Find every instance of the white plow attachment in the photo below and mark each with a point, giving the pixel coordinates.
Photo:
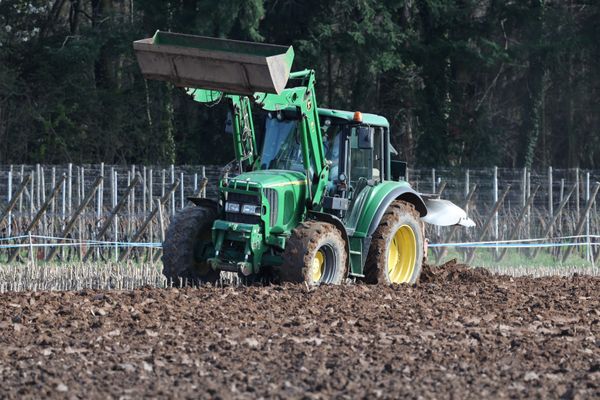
(445, 213)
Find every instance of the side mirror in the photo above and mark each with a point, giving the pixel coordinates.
(365, 137)
(398, 170)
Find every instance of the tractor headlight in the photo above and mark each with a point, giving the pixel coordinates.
(232, 207)
(250, 209)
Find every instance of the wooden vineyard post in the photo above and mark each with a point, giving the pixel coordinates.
(172, 202)
(53, 205)
(113, 185)
(556, 216)
(21, 198)
(550, 193)
(488, 223)
(204, 183)
(588, 253)
(562, 194)
(515, 229)
(453, 230)
(78, 182)
(100, 193)
(161, 220)
(161, 226)
(582, 219)
(102, 231)
(31, 197)
(136, 237)
(577, 191)
(16, 197)
(38, 215)
(73, 220)
(441, 189)
(150, 197)
(527, 194)
(70, 189)
(128, 197)
(9, 197)
(181, 191)
(467, 183)
(495, 193)
(144, 190)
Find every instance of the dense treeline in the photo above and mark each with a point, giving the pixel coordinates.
(464, 82)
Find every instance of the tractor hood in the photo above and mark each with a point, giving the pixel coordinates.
(268, 179)
(280, 192)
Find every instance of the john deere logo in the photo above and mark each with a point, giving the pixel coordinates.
(308, 104)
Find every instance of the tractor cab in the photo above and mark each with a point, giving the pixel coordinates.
(357, 147)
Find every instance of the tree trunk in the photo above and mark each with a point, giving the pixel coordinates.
(532, 122)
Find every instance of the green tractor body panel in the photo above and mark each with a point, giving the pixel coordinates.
(377, 198)
(260, 209)
(264, 202)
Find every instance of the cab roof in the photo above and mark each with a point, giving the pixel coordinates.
(369, 119)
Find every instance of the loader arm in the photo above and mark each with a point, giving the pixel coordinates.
(244, 136)
(303, 98)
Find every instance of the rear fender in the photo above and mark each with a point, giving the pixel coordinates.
(380, 198)
(402, 193)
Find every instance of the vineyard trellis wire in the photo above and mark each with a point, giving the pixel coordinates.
(128, 207)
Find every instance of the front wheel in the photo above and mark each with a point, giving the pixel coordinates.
(187, 246)
(396, 251)
(315, 253)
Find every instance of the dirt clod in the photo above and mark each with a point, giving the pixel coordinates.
(451, 271)
(460, 333)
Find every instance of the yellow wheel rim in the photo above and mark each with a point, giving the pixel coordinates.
(402, 255)
(318, 266)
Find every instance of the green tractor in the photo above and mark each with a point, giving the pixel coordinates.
(319, 201)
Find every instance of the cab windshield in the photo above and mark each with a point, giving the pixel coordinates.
(281, 148)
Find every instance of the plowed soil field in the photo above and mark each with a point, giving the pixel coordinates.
(459, 333)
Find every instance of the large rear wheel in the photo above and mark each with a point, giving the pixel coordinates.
(315, 253)
(396, 251)
(187, 246)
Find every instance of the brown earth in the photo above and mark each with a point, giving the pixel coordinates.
(460, 333)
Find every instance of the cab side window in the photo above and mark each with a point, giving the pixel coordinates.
(367, 163)
(361, 160)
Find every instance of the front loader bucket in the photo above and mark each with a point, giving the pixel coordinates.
(208, 63)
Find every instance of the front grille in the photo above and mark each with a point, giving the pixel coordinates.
(239, 217)
(242, 218)
(243, 198)
(240, 198)
(272, 199)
